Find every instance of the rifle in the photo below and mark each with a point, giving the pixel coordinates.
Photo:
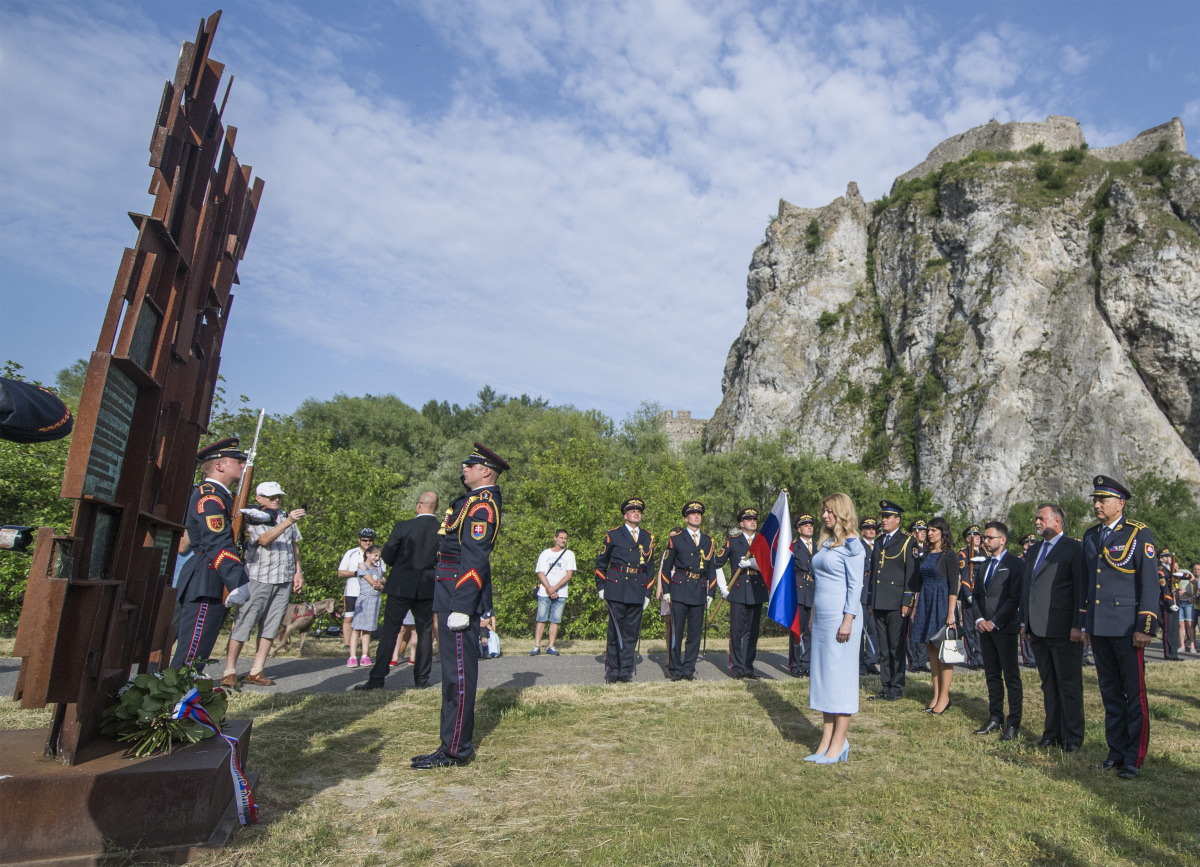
(237, 520)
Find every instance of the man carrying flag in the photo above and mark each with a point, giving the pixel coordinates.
(772, 550)
(747, 592)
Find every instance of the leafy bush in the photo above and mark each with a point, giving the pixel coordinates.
(1044, 170)
(1073, 155)
(826, 320)
(1036, 150)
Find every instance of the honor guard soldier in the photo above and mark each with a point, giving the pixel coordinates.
(893, 581)
(802, 554)
(1169, 605)
(868, 655)
(1120, 620)
(689, 573)
(462, 593)
(216, 563)
(624, 578)
(746, 593)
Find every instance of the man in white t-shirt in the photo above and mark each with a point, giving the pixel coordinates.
(348, 569)
(555, 566)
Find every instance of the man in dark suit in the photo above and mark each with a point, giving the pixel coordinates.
(1120, 621)
(216, 564)
(893, 580)
(746, 594)
(689, 576)
(996, 610)
(802, 554)
(624, 576)
(411, 555)
(1052, 602)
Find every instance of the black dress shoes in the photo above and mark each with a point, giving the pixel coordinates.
(1050, 742)
(1071, 748)
(438, 752)
(879, 696)
(1128, 772)
(989, 727)
(423, 684)
(363, 687)
(1106, 765)
(440, 760)
(1010, 734)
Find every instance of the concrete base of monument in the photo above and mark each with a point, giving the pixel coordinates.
(110, 809)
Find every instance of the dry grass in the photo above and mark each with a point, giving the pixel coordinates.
(709, 773)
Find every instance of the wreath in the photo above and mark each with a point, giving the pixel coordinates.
(141, 714)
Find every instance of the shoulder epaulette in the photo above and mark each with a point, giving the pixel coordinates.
(206, 488)
(1138, 524)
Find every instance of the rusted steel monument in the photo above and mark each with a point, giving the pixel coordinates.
(99, 601)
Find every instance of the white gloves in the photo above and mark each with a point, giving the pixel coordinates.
(600, 593)
(456, 622)
(667, 598)
(239, 596)
(744, 563)
(721, 583)
(707, 602)
(256, 516)
(646, 603)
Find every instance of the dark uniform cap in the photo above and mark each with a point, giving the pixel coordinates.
(692, 506)
(804, 519)
(887, 507)
(919, 524)
(747, 513)
(1109, 487)
(633, 504)
(487, 457)
(226, 448)
(1028, 539)
(972, 530)
(868, 524)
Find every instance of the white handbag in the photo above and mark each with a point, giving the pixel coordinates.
(951, 649)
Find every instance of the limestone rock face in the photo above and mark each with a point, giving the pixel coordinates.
(1000, 333)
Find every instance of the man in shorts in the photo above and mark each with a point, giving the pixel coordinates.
(273, 566)
(348, 569)
(555, 566)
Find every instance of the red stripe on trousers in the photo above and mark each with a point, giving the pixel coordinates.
(1144, 734)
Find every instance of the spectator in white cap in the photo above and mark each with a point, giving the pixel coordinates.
(273, 566)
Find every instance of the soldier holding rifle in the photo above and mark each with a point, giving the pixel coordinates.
(689, 572)
(746, 593)
(624, 576)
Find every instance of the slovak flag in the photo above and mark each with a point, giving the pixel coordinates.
(772, 550)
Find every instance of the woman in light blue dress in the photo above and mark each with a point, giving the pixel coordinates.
(836, 626)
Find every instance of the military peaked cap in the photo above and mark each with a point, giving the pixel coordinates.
(887, 507)
(1106, 486)
(747, 513)
(972, 530)
(868, 524)
(633, 504)
(226, 448)
(487, 457)
(1028, 539)
(918, 524)
(692, 506)
(804, 519)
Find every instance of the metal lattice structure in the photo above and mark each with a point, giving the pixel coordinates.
(99, 601)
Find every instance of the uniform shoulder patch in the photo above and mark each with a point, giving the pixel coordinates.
(206, 488)
(1149, 551)
(216, 523)
(209, 498)
(478, 530)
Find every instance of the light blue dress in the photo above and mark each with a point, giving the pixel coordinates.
(833, 670)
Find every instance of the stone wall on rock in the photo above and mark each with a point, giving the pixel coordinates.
(680, 427)
(1001, 335)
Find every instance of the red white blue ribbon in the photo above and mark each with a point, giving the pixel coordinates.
(189, 706)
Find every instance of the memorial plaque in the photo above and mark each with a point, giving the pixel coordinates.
(111, 436)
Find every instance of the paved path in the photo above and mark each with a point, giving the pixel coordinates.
(511, 670)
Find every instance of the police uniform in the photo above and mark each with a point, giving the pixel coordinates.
(215, 565)
(1169, 606)
(868, 655)
(624, 577)
(918, 651)
(689, 574)
(746, 594)
(1122, 597)
(463, 592)
(893, 579)
(802, 554)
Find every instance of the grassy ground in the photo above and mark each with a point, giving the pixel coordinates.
(711, 774)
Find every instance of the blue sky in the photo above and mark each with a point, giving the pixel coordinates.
(553, 199)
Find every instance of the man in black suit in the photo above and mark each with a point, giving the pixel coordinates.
(893, 580)
(411, 555)
(996, 610)
(689, 574)
(1052, 602)
(802, 554)
(1120, 621)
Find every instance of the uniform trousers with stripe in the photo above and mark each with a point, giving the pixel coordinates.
(1121, 671)
(624, 627)
(1170, 632)
(892, 629)
(744, 624)
(200, 623)
(459, 654)
(685, 652)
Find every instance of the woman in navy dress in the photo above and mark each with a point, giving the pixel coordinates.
(934, 608)
(836, 626)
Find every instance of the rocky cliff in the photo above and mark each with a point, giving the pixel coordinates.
(1018, 314)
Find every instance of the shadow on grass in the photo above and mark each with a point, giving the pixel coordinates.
(789, 720)
(1193, 700)
(497, 700)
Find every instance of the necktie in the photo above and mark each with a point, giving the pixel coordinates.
(1104, 534)
(987, 579)
(633, 533)
(1041, 556)
(696, 539)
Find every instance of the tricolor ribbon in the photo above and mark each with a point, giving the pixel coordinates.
(189, 706)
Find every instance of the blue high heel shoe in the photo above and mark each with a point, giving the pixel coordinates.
(814, 757)
(843, 756)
